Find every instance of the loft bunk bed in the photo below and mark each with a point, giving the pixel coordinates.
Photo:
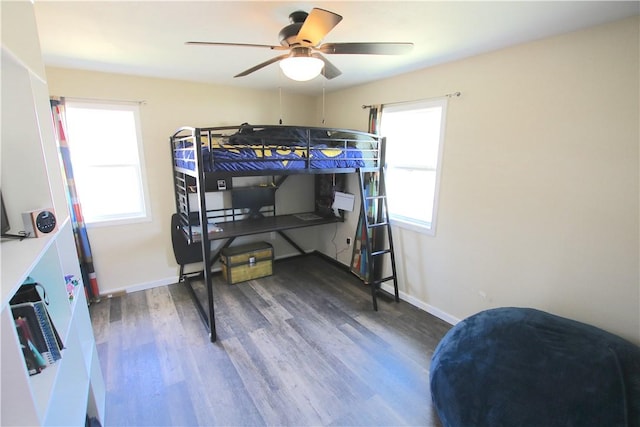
(208, 159)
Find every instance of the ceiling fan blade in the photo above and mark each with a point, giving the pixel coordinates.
(329, 70)
(366, 48)
(262, 65)
(236, 45)
(317, 25)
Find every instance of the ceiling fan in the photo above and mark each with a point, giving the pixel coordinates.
(302, 38)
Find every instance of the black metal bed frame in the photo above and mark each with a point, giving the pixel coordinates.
(245, 221)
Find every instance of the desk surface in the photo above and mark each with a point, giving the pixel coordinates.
(248, 227)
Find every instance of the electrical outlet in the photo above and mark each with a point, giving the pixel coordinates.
(348, 241)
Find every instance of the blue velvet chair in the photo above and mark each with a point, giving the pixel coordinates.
(524, 367)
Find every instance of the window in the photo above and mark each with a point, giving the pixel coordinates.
(415, 133)
(106, 154)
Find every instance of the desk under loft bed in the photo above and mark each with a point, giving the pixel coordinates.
(208, 159)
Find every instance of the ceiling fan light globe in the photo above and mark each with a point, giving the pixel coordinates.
(301, 69)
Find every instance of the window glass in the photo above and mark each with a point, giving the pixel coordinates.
(414, 133)
(105, 145)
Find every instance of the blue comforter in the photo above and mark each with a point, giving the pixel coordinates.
(269, 157)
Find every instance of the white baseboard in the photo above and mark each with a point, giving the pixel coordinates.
(141, 286)
(452, 320)
(147, 285)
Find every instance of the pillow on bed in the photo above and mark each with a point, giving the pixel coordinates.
(275, 136)
(358, 140)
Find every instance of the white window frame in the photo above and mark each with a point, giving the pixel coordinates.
(144, 215)
(413, 223)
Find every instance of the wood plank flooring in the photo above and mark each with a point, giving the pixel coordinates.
(302, 347)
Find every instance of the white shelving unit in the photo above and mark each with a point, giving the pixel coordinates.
(65, 392)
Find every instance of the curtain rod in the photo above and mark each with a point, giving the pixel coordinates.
(78, 98)
(448, 95)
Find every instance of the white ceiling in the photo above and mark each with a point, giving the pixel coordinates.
(147, 37)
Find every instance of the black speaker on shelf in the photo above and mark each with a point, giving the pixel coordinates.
(40, 222)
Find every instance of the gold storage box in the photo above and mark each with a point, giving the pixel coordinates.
(246, 262)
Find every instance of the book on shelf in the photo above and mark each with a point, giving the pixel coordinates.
(33, 358)
(41, 344)
(41, 328)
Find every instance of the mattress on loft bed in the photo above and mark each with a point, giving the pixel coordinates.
(286, 148)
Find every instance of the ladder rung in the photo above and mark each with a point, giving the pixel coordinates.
(382, 252)
(375, 197)
(385, 294)
(386, 279)
(379, 224)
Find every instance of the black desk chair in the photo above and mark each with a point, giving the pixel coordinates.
(184, 252)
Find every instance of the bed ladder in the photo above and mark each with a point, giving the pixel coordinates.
(374, 242)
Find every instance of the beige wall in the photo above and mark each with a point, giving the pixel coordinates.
(540, 188)
(539, 196)
(136, 256)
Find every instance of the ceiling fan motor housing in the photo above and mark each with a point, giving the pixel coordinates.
(288, 34)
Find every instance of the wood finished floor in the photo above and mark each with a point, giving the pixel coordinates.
(302, 347)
